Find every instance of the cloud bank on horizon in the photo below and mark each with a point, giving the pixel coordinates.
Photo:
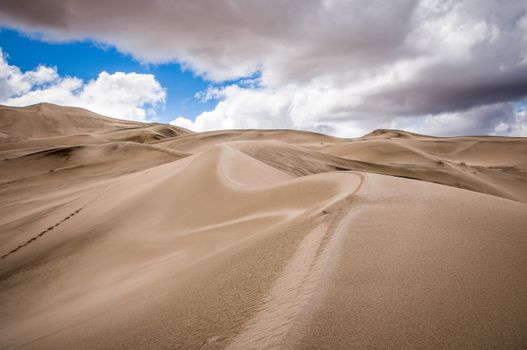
(340, 67)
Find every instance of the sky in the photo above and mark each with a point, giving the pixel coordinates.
(341, 67)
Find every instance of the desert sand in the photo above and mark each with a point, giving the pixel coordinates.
(123, 235)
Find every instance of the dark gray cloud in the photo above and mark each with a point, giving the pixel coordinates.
(481, 120)
(347, 65)
(227, 39)
(447, 88)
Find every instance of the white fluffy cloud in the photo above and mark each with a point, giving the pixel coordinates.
(13, 82)
(122, 95)
(312, 107)
(339, 66)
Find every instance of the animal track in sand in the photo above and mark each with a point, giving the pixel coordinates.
(57, 224)
(41, 234)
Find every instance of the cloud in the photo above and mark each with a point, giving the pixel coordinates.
(333, 65)
(13, 82)
(313, 107)
(338, 112)
(228, 39)
(123, 95)
(496, 119)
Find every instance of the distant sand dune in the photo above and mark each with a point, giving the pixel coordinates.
(118, 234)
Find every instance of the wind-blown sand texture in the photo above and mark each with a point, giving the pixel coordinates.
(117, 234)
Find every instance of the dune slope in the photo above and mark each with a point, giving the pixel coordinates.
(119, 234)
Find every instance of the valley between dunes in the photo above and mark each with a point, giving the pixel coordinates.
(122, 235)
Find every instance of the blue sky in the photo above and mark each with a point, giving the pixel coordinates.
(86, 59)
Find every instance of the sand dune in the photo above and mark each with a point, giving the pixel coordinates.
(118, 234)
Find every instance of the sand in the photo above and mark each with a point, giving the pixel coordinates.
(117, 234)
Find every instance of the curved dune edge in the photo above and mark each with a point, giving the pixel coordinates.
(143, 240)
(124, 235)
